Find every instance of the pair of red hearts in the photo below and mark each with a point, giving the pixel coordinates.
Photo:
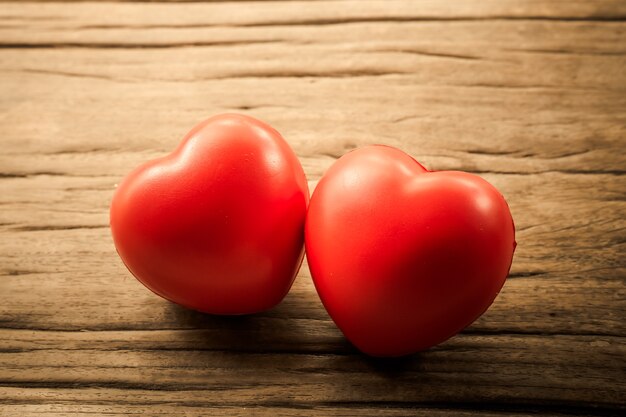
(403, 258)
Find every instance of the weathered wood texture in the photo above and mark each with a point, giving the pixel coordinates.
(529, 94)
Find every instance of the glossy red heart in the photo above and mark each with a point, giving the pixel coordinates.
(218, 225)
(404, 258)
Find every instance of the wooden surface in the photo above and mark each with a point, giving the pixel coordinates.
(531, 95)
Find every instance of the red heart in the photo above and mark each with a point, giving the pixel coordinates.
(401, 257)
(216, 226)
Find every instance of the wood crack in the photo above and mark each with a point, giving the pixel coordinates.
(104, 45)
(566, 52)
(468, 331)
(252, 75)
(306, 74)
(17, 272)
(38, 228)
(26, 175)
(68, 74)
(266, 407)
(489, 152)
(521, 154)
(13, 175)
(534, 86)
(504, 406)
(525, 274)
(614, 172)
(81, 151)
(427, 53)
(359, 20)
(428, 19)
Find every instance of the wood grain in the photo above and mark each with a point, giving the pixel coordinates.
(528, 94)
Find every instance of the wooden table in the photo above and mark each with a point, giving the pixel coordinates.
(531, 95)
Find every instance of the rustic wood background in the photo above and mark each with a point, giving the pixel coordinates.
(531, 95)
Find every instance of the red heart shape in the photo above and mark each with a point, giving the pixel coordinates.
(218, 225)
(404, 258)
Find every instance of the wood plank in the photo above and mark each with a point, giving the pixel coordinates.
(189, 406)
(553, 106)
(445, 127)
(318, 12)
(539, 370)
(572, 268)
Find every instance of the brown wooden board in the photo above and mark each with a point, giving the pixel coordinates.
(531, 95)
